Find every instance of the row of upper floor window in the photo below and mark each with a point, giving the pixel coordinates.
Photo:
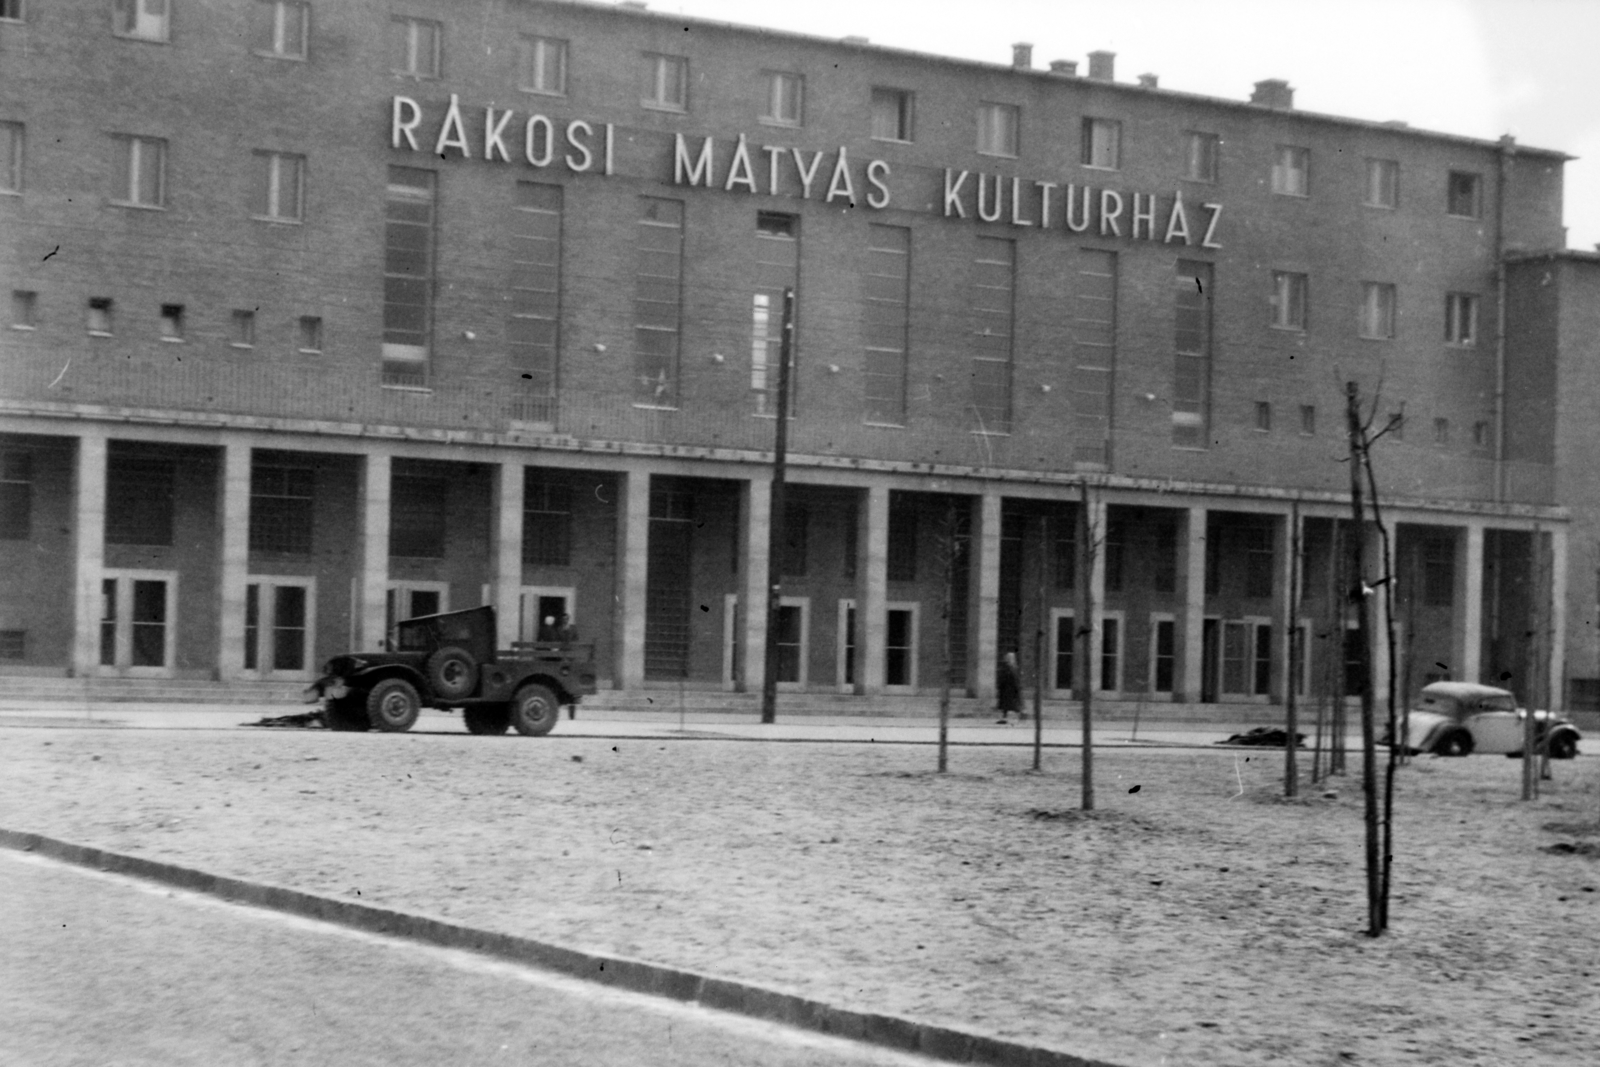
(1395, 425)
(282, 30)
(172, 322)
(1377, 314)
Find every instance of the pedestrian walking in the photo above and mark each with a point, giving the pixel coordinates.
(1009, 689)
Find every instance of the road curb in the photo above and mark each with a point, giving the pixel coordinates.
(890, 1031)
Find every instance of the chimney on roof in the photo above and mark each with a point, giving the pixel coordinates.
(1067, 68)
(1148, 81)
(1022, 56)
(1273, 92)
(1102, 65)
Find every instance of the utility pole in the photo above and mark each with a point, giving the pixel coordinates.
(776, 539)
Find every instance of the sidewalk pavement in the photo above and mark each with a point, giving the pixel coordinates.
(688, 724)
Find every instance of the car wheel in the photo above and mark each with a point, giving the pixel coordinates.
(393, 705)
(1454, 743)
(487, 718)
(534, 710)
(347, 715)
(453, 673)
(1562, 746)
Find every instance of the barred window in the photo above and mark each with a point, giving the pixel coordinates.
(281, 502)
(547, 524)
(139, 500)
(16, 496)
(417, 515)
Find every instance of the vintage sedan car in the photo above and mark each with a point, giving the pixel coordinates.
(1460, 718)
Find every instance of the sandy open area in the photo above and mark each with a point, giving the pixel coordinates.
(1198, 920)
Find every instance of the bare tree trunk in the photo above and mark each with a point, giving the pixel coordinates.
(949, 545)
(1088, 549)
(1388, 583)
(1369, 785)
(1291, 772)
(1039, 646)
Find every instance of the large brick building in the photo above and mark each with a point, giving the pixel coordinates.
(324, 314)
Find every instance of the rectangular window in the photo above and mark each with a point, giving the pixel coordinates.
(1110, 655)
(666, 82)
(777, 267)
(139, 500)
(1066, 638)
(1102, 143)
(24, 309)
(1461, 319)
(279, 186)
(1464, 195)
(1200, 158)
(899, 647)
(144, 19)
(1236, 657)
(533, 330)
(244, 328)
(1441, 431)
(11, 10)
(886, 323)
(1094, 349)
(417, 509)
(1383, 183)
(544, 66)
(141, 171)
(657, 301)
(415, 47)
(902, 542)
(893, 112)
(1308, 419)
(172, 322)
(1191, 376)
(309, 335)
(1263, 416)
(282, 28)
(282, 500)
(546, 523)
(785, 104)
(1261, 661)
(1481, 437)
(1377, 311)
(100, 316)
(997, 129)
(10, 157)
(407, 275)
(1291, 171)
(1163, 655)
(16, 496)
(993, 317)
(1289, 300)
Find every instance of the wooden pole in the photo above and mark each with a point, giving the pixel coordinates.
(776, 539)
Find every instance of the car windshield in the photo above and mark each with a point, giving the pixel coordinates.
(1500, 703)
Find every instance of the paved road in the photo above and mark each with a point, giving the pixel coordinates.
(100, 969)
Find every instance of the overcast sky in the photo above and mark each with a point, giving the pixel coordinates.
(1530, 68)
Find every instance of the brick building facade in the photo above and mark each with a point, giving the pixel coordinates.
(328, 314)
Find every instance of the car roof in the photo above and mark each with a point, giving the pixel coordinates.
(1463, 690)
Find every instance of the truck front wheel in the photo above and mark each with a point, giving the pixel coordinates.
(393, 705)
(534, 710)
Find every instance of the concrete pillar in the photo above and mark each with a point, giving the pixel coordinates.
(872, 587)
(89, 526)
(1558, 618)
(633, 574)
(984, 598)
(234, 499)
(1468, 665)
(1194, 606)
(505, 552)
(754, 553)
(375, 478)
(1095, 517)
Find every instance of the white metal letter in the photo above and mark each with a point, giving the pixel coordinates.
(1044, 202)
(493, 132)
(1177, 222)
(452, 121)
(840, 184)
(877, 171)
(739, 172)
(1108, 217)
(575, 129)
(774, 153)
(1147, 216)
(611, 144)
(952, 195)
(530, 138)
(407, 116)
(699, 171)
(1081, 204)
(983, 184)
(807, 174)
(1016, 201)
(1211, 227)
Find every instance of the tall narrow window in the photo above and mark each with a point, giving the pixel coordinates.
(1094, 348)
(1377, 311)
(785, 104)
(1191, 375)
(777, 267)
(144, 19)
(10, 157)
(657, 302)
(666, 82)
(993, 318)
(1289, 300)
(544, 66)
(279, 186)
(892, 114)
(1200, 157)
(16, 495)
(1461, 319)
(408, 276)
(1291, 171)
(997, 129)
(1110, 654)
(282, 27)
(1464, 195)
(282, 498)
(1163, 655)
(141, 171)
(1383, 183)
(546, 523)
(414, 46)
(533, 330)
(886, 322)
(1102, 143)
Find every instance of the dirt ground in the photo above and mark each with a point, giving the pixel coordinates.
(1194, 918)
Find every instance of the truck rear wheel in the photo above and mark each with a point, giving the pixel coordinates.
(487, 718)
(346, 714)
(534, 710)
(393, 705)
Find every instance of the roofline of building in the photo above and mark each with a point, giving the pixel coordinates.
(864, 45)
(1577, 255)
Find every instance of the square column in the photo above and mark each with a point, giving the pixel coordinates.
(89, 526)
(872, 587)
(1558, 618)
(633, 574)
(374, 582)
(234, 494)
(1468, 653)
(754, 554)
(984, 599)
(505, 552)
(1194, 606)
(1093, 523)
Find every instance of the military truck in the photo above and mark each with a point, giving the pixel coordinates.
(449, 661)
